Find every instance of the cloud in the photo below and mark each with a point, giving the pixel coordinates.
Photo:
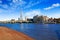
(55, 15)
(0, 1)
(20, 2)
(3, 5)
(11, 4)
(53, 6)
(25, 4)
(1, 10)
(32, 3)
(32, 13)
(15, 4)
(15, 1)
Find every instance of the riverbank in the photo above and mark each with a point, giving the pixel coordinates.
(8, 34)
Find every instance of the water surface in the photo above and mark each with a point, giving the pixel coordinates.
(37, 31)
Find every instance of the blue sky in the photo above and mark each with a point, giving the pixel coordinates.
(10, 9)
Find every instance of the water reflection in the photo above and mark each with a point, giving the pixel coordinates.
(24, 27)
(21, 26)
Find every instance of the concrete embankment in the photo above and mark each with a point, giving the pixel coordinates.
(8, 34)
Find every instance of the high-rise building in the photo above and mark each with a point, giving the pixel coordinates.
(21, 18)
(26, 18)
(21, 15)
(18, 19)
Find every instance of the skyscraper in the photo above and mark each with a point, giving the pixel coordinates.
(21, 18)
(26, 18)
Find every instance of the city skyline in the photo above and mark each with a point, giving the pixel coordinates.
(10, 9)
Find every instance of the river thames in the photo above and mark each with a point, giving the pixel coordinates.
(37, 31)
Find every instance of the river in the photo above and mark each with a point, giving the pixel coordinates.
(37, 31)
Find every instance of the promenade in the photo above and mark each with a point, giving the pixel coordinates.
(8, 34)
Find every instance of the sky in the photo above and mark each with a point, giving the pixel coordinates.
(10, 9)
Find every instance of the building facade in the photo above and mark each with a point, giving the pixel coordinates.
(40, 19)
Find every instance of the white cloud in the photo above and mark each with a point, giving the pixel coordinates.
(15, 1)
(0, 1)
(19, 2)
(55, 15)
(5, 6)
(1, 10)
(32, 13)
(53, 6)
(31, 3)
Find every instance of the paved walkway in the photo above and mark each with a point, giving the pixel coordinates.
(7, 34)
